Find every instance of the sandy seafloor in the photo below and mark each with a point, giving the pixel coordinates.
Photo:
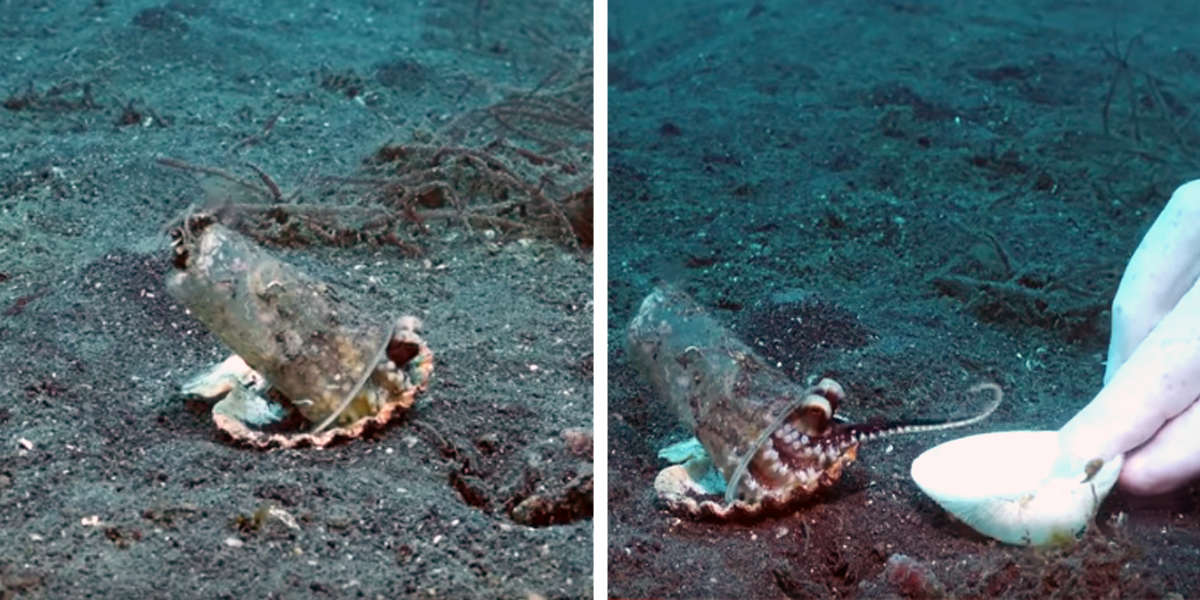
(910, 197)
(111, 486)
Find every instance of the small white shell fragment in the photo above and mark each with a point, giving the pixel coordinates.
(221, 378)
(692, 472)
(284, 517)
(246, 406)
(684, 451)
(1012, 486)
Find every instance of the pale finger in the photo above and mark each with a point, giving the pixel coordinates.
(1160, 380)
(1170, 459)
(1164, 266)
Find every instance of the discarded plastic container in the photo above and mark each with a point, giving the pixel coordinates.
(736, 404)
(336, 363)
(773, 441)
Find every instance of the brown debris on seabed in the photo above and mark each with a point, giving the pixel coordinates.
(498, 188)
(1097, 566)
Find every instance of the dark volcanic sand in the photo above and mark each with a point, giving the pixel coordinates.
(110, 485)
(910, 197)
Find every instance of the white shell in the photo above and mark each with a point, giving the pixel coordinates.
(1014, 486)
(692, 472)
(221, 378)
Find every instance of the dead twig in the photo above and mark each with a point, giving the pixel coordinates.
(261, 136)
(1126, 76)
(1121, 74)
(175, 163)
(267, 181)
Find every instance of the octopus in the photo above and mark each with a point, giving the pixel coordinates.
(762, 443)
(308, 366)
(252, 411)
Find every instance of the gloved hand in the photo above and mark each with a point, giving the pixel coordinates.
(1148, 407)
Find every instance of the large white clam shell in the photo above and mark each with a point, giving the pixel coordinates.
(1014, 486)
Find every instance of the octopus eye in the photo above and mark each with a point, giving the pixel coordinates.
(181, 258)
(815, 413)
(401, 352)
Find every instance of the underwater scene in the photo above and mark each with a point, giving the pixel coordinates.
(296, 299)
(876, 323)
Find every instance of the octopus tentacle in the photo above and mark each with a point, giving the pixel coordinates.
(861, 432)
(806, 415)
(801, 447)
